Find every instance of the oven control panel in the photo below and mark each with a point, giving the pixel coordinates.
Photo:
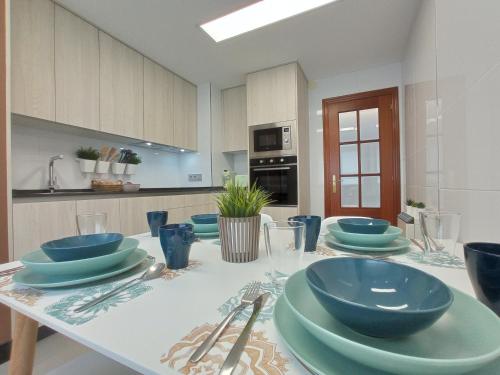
(273, 161)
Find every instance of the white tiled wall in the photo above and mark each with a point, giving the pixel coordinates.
(456, 43)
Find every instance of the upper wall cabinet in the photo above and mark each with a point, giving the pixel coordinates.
(32, 48)
(234, 119)
(272, 95)
(158, 103)
(76, 70)
(185, 118)
(121, 88)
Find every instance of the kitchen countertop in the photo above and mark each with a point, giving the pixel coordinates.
(71, 194)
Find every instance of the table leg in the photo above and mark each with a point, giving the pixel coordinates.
(22, 353)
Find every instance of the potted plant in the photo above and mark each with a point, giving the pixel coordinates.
(239, 221)
(132, 162)
(414, 208)
(87, 157)
(409, 206)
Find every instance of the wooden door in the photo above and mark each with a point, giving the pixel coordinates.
(361, 153)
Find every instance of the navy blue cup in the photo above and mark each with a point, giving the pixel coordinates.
(313, 227)
(483, 266)
(155, 220)
(176, 241)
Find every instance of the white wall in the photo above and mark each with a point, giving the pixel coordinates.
(365, 80)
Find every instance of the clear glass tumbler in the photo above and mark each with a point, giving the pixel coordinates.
(92, 223)
(440, 231)
(285, 248)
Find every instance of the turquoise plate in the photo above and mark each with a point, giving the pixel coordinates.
(396, 245)
(465, 338)
(361, 239)
(40, 263)
(207, 235)
(319, 358)
(203, 228)
(35, 280)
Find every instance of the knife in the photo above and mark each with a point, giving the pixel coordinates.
(234, 355)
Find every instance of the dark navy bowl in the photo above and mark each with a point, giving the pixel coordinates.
(361, 225)
(205, 218)
(82, 247)
(378, 298)
(483, 266)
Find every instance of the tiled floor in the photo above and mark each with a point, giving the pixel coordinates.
(57, 355)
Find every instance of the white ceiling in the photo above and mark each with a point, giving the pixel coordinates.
(344, 36)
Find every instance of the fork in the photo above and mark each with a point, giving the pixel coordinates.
(251, 293)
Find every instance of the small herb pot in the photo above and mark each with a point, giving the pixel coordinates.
(131, 169)
(239, 238)
(118, 168)
(87, 166)
(102, 166)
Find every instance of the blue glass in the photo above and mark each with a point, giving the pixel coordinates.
(155, 220)
(176, 241)
(483, 266)
(313, 227)
(378, 298)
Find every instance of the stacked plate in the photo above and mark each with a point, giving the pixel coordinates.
(78, 260)
(205, 225)
(464, 339)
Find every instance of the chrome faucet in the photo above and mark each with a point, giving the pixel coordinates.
(53, 178)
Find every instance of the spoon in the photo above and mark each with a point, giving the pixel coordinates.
(151, 273)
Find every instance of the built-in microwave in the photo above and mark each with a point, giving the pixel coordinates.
(271, 140)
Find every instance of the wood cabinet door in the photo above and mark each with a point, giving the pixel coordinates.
(121, 88)
(185, 114)
(39, 222)
(76, 70)
(158, 103)
(234, 118)
(111, 207)
(32, 50)
(272, 95)
(133, 213)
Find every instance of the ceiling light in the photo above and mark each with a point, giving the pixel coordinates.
(257, 15)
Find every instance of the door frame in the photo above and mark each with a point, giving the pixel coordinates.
(396, 172)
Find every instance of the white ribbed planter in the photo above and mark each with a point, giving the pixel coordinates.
(131, 168)
(102, 166)
(87, 166)
(239, 238)
(118, 168)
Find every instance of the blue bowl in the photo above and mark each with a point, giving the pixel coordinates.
(82, 247)
(378, 298)
(483, 266)
(365, 226)
(205, 218)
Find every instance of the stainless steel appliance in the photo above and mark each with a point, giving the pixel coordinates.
(278, 176)
(273, 140)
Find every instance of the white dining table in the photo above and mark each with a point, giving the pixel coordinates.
(154, 327)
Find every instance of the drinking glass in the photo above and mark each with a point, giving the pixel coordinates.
(176, 241)
(91, 223)
(285, 248)
(440, 232)
(155, 220)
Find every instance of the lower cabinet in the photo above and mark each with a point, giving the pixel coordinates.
(280, 213)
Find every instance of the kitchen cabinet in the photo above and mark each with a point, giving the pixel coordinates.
(121, 88)
(234, 119)
(32, 58)
(111, 207)
(39, 222)
(280, 213)
(272, 95)
(133, 213)
(185, 114)
(158, 103)
(76, 70)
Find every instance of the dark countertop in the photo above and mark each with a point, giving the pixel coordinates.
(64, 194)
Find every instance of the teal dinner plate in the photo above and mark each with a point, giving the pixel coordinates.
(40, 263)
(363, 239)
(465, 338)
(36, 280)
(203, 228)
(319, 358)
(207, 235)
(396, 245)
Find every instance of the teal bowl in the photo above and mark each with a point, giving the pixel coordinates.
(39, 262)
(362, 225)
(82, 247)
(361, 239)
(204, 228)
(205, 218)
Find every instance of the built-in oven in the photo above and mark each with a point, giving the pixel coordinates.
(272, 140)
(278, 176)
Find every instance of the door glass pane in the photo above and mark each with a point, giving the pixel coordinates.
(370, 191)
(349, 192)
(349, 159)
(348, 126)
(370, 158)
(368, 124)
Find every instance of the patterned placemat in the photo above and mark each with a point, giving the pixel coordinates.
(28, 296)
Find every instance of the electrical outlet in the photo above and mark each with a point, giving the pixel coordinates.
(194, 177)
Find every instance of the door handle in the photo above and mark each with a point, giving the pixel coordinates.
(334, 184)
